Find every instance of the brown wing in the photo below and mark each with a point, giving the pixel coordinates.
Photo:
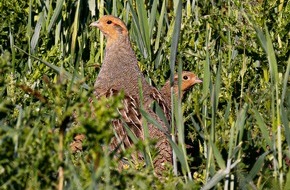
(157, 96)
(131, 116)
(162, 137)
(162, 145)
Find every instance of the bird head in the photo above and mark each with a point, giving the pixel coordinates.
(112, 27)
(188, 80)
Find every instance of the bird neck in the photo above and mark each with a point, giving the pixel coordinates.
(119, 54)
(166, 92)
(116, 42)
(120, 69)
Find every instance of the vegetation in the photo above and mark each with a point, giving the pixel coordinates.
(236, 123)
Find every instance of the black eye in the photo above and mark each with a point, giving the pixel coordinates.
(185, 77)
(109, 22)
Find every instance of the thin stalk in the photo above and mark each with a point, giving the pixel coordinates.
(173, 132)
(101, 13)
(206, 87)
(12, 50)
(61, 158)
(147, 152)
(107, 176)
(29, 26)
(180, 123)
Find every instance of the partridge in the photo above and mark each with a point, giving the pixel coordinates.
(189, 79)
(120, 73)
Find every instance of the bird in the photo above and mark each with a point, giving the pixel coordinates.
(188, 79)
(120, 73)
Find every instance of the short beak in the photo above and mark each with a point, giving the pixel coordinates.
(197, 80)
(95, 24)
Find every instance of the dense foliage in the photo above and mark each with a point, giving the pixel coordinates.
(236, 122)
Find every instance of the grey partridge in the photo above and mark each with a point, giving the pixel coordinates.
(120, 72)
(189, 79)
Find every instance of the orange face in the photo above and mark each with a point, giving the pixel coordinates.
(188, 80)
(112, 27)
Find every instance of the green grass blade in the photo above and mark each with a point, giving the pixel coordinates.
(263, 127)
(219, 159)
(152, 19)
(207, 75)
(271, 58)
(285, 81)
(159, 28)
(35, 37)
(11, 40)
(144, 26)
(179, 153)
(57, 69)
(137, 30)
(175, 38)
(220, 174)
(241, 119)
(287, 183)
(152, 120)
(256, 168)
(180, 123)
(75, 30)
(56, 14)
(130, 133)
